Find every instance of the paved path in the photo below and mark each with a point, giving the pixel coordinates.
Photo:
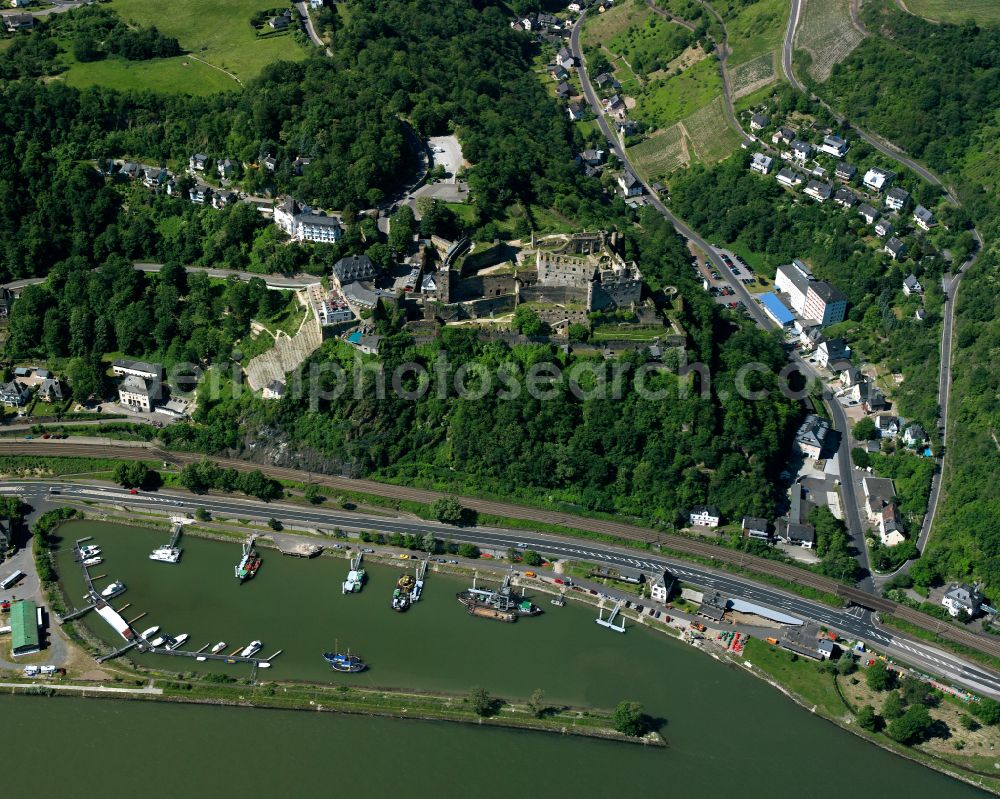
(100, 689)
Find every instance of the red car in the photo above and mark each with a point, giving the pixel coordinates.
(133, 490)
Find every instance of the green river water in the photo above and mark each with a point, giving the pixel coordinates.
(729, 733)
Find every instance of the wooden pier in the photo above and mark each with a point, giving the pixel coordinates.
(118, 652)
(231, 658)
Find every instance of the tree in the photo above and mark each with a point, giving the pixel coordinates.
(527, 322)
(893, 707)
(313, 495)
(536, 704)
(869, 720)
(846, 664)
(968, 722)
(860, 458)
(482, 703)
(879, 677)
(630, 720)
(986, 710)
(470, 551)
(531, 558)
(428, 543)
(202, 515)
(865, 430)
(401, 229)
(275, 525)
(912, 727)
(84, 378)
(132, 474)
(448, 510)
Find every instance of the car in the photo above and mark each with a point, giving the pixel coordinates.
(530, 574)
(559, 581)
(47, 435)
(453, 562)
(336, 546)
(368, 551)
(522, 544)
(440, 560)
(404, 556)
(29, 438)
(133, 490)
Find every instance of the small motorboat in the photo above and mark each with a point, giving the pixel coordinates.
(95, 561)
(149, 633)
(115, 589)
(201, 658)
(264, 665)
(251, 649)
(90, 551)
(218, 647)
(160, 640)
(179, 640)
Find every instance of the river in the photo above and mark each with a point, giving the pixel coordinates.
(728, 731)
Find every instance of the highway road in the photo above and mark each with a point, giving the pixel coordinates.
(853, 622)
(840, 421)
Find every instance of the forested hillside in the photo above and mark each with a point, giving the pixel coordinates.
(935, 90)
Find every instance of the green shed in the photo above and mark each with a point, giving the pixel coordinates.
(24, 628)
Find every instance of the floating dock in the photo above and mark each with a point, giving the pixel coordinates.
(609, 622)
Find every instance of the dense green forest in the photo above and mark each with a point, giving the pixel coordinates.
(935, 90)
(647, 457)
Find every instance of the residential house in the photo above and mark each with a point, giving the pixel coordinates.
(592, 157)
(139, 393)
(845, 172)
(890, 526)
(613, 103)
(199, 193)
(783, 135)
(6, 301)
(962, 597)
(877, 179)
(813, 436)
(845, 197)
(713, 607)
(130, 170)
(221, 199)
(884, 228)
(887, 426)
(759, 122)
(756, 528)
(198, 162)
(626, 127)
(802, 151)
(369, 345)
(274, 390)
(850, 376)
(789, 177)
(630, 185)
(920, 314)
(18, 22)
(557, 73)
(227, 169)
(875, 401)
(895, 248)
(795, 533)
(897, 198)
(14, 395)
(866, 212)
(819, 191)
(299, 164)
(281, 22)
(606, 81)
(564, 58)
(154, 178)
(302, 223)
(315, 5)
(549, 21)
(50, 390)
(352, 268)
(270, 162)
(914, 436)
(879, 492)
(834, 145)
(575, 112)
(911, 285)
(923, 218)
(832, 351)
(661, 589)
(563, 90)
(810, 336)
(761, 163)
(704, 516)
(826, 649)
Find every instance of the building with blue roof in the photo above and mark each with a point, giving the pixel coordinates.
(776, 309)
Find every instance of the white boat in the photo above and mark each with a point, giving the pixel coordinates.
(218, 647)
(166, 554)
(251, 649)
(90, 551)
(201, 658)
(113, 590)
(158, 641)
(264, 664)
(95, 561)
(180, 640)
(147, 634)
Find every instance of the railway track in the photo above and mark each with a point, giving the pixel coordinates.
(628, 532)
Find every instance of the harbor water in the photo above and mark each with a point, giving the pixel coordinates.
(728, 732)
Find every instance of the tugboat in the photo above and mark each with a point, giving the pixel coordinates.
(346, 664)
(401, 595)
(249, 563)
(501, 604)
(115, 589)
